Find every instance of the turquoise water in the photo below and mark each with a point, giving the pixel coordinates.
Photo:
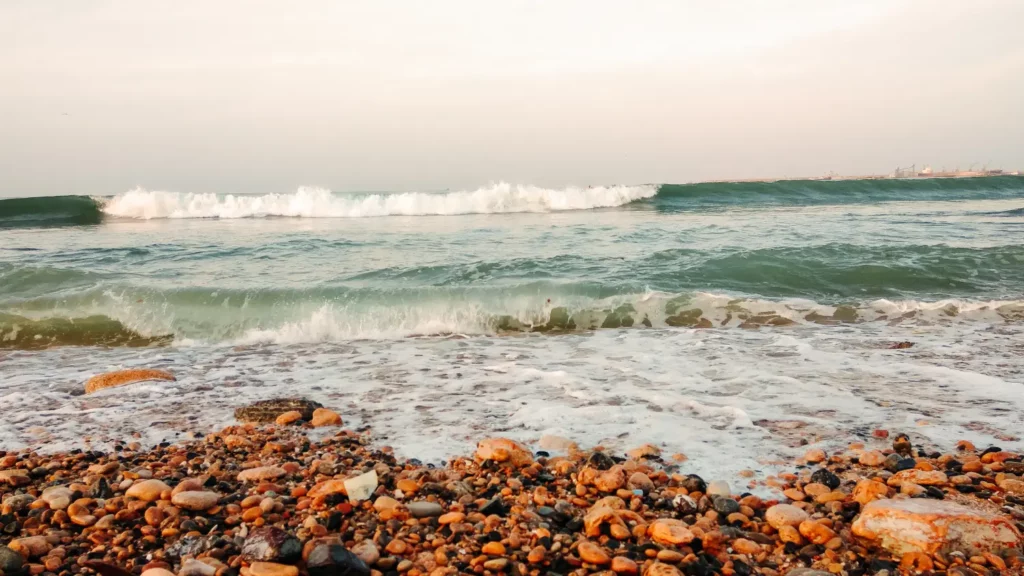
(157, 267)
(613, 314)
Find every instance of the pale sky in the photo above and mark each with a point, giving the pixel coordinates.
(258, 96)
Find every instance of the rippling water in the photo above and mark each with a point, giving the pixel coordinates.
(696, 316)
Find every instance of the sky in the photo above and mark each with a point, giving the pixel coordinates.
(99, 97)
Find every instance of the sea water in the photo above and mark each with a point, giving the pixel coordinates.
(738, 324)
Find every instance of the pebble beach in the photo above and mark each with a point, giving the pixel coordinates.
(290, 490)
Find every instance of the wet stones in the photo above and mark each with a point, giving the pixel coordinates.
(266, 411)
(271, 544)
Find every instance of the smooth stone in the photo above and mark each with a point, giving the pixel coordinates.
(147, 490)
(272, 569)
(10, 561)
(328, 559)
(424, 509)
(271, 544)
(261, 473)
(195, 500)
(196, 568)
(934, 526)
(785, 515)
(826, 477)
(725, 506)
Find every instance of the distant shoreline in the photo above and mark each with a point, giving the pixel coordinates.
(917, 176)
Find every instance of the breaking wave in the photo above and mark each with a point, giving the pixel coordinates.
(501, 198)
(129, 321)
(321, 203)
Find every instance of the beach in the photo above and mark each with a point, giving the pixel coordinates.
(303, 494)
(516, 343)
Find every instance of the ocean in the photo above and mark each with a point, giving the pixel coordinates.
(735, 323)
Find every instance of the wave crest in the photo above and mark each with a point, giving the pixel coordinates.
(309, 202)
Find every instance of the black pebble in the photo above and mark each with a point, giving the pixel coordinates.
(600, 460)
(906, 464)
(694, 483)
(824, 476)
(334, 521)
(495, 506)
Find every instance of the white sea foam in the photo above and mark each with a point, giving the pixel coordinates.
(308, 202)
(728, 399)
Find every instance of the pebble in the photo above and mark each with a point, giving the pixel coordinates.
(785, 515)
(815, 455)
(196, 568)
(592, 553)
(325, 417)
(196, 501)
(261, 473)
(330, 559)
(493, 549)
(147, 490)
(424, 509)
(623, 565)
(500, 512)
(271, 569)
(10, 561)
(366, 551)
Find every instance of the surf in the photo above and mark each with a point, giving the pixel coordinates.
(307, 202)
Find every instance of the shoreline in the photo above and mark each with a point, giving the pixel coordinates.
(267, 500)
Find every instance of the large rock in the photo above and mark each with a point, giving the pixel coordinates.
(271, 544)
(930, 526)
(503, 450)
(122, 377)
(266, 411)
